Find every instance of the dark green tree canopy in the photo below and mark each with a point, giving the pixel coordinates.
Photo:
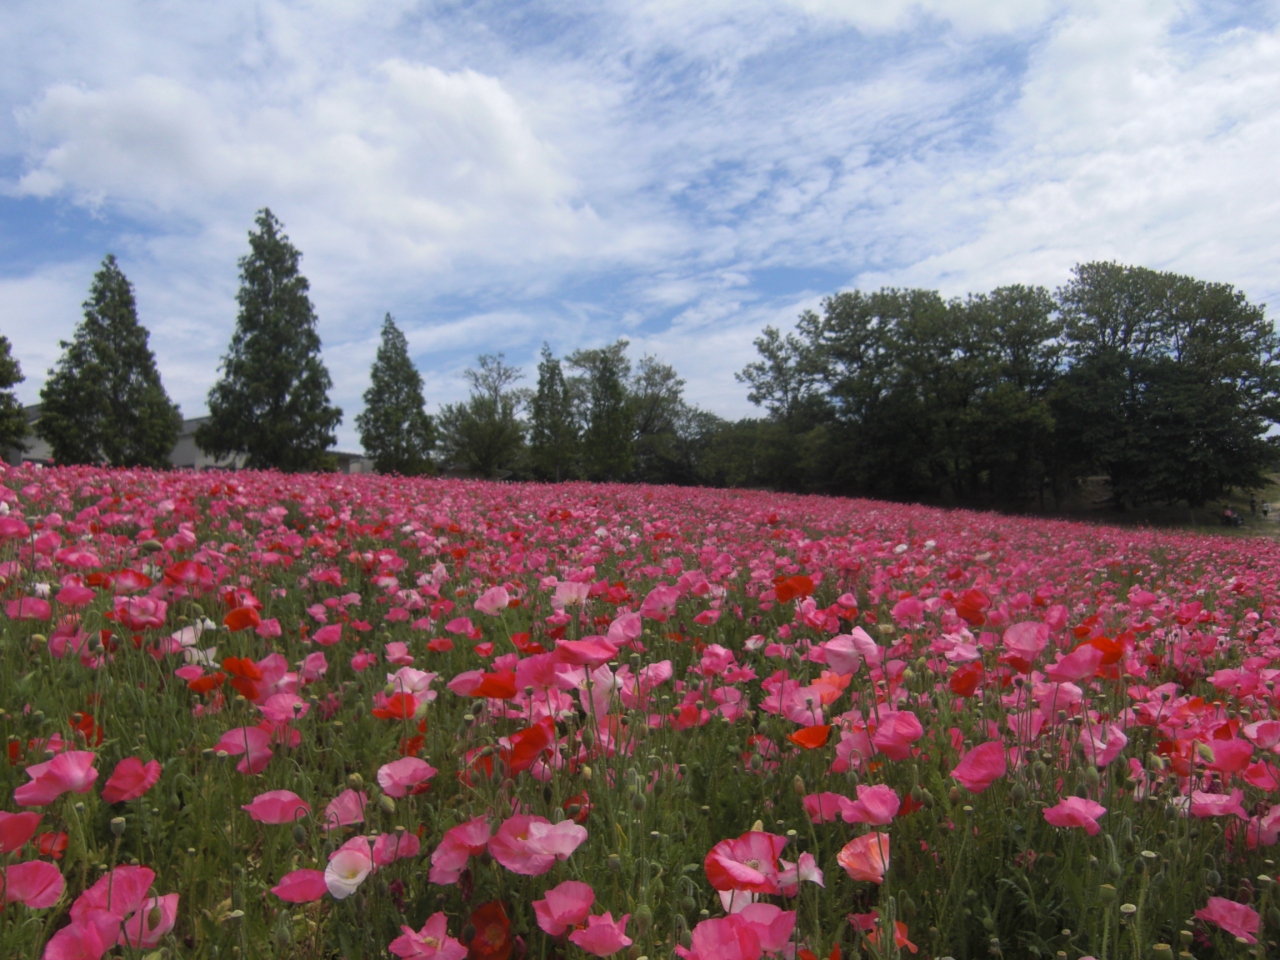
(395, 429)
(104, 401)
(272, 403)
(608, 439)
(485, 436)
(553, 426)
(13, 420)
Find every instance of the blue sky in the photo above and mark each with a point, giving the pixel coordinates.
(497, 174)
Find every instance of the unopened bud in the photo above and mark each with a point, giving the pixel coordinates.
(117, 826)
(387, 804)
(798, 785)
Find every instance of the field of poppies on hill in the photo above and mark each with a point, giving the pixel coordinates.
(256, 715)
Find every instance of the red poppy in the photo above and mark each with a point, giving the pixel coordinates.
(493, 933)
(528, 744)
(583, 803)
(207, 683)
(790, 588)
(966, 680)
(51, 844)
(811, 737)
(241, 618)
(83, 724)
(400, 706)
(499, 686)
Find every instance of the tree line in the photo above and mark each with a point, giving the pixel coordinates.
(1164, 384)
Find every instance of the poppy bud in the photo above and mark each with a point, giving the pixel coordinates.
(953, 795)
(615, 863)
(117, 826)
(299, 833)
(586, 773)
(1018, 794)
(387, 804)
(1107, 893)
(798, 785)
(643, 918)
(638, 802)
(355, 781)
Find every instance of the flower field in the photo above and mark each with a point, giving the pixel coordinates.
(255, 715)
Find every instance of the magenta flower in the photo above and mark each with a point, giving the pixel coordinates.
(1238, 919)
(825, 807)
(456, 846)
(877, 805)
(981, 766)
(130, 780)
(91, 936)
(140, 613)
(748, 863)
(70, 772)
(35, 884)
(253, 742)
(28, 608)
(345, 809)
(493, 601)
(604, 936)
(277, 806)
(390, 847)
(564, 906)
(301, 886)
(898, 729)
(1075, 812)
(149, 924)
(16, 829)
(531, 845)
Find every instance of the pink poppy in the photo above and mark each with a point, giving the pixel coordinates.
(432, 942)
(301, 886)
(564, 906)
(1218, 804)
(722, 939)
(70, 772)
(1238, 919)
(329, 635)
(345, 809)
(1101, 752)
(397, 652)
(1075, 812)
(91, 936)
(660, 603)
(75, 595)
(771, 925)
(1080, 663)
(28, 608)
(587, 652)
(140, 613)
(749, 863)
(16, 829)
(569, 594)
(390, 847)
(897, 730)
(1024, 643)
(277, 806)
(130, 780)
(149, 924)
(530, 845)
(604, 936)
(399, 777)
(35, 884)
(824, 807)
(805, 869)
(866, 857)
(493, 601)
(458, 843)
(314, 666)
(877, 805)
(981, 766)
(253, 742)
(119, 891)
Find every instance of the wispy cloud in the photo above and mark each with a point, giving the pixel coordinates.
(499, 174)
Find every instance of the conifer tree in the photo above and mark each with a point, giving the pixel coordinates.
(553, 429)
(394, 428)
(609, 439)
(13, 421)
(104, 401)
(272, 403)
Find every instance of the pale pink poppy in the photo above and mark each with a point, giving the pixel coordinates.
(866, 857)
(981, 766)
(301, 886)
(1238, 919)
(564, 906)
(397, 652)
(277, 807)
(69, 772)
(35, 884)
(398, 777)
(458, 843)
(390, 847)
(603, 936)
(1205, 804)
(345, 809)
(1075, 812)
(130, 780)
(1024, 642)
(432, 942)
(804, 870)
(314, 666)
(493, 601)
(824, 807)
(348, 867)
(569, 594)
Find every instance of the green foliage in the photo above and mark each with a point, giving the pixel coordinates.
(553, 427)
(609, 437)
(13, 421)
(272, 402)
(484, 436)
(104, 401)
(394, 428)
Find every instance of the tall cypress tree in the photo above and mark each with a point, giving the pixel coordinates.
(13, 421)
(394, 428)
(553, 429)
(272, 403)
(105, 401)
